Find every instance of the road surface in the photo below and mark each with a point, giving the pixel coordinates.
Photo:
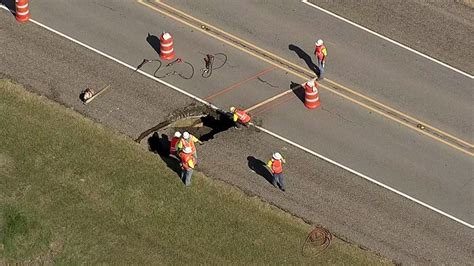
(342, 130)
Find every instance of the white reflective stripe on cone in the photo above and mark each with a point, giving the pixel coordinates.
(311, 93)
(23, 13)
(22, 6)
(167, 51)
(312, 100)
(166, 44)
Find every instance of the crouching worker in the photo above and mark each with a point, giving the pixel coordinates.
(276, 168)
(240, 117)
(187, 165)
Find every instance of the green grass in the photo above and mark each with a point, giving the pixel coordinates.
(72, 191)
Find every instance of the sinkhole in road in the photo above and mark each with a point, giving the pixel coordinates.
(205, 127)
(200, 121)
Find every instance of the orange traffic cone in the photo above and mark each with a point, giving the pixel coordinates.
(311, 94)
(166, 46)
(22, 10)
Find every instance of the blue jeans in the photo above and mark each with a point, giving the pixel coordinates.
(186, 176)
(321, 68)
(278, 180)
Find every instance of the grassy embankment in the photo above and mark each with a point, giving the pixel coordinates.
(74, 191)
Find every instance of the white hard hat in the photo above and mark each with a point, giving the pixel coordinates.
(277, 156)
(319, 42)
(186, 135)
(232, 108)
(311, 82)
(177, 134)
(187, 149)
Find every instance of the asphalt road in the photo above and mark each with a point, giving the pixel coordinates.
(441, 29)
(392, 154)
(366, 214)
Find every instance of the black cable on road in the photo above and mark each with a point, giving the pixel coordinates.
(209, 63)
(178, 60)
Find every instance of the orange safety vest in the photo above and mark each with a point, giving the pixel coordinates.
(173, 143)
(277, 167)
(185, 158)
(321, 52)
(189, 143)
(243, 116)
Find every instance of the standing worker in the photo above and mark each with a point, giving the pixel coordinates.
(321, 53)
(187, 165)
(276, 167)
(173, 143)
(240, 116)
(188, 140)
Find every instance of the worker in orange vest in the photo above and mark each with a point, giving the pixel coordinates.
(187, 165)
(276, 168)
(321, 53)
(240, 116)
(188, 140)
(174, 141)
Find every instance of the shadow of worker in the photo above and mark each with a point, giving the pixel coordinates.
(154, 42)
(161, 146)
(259, 167)
(307, 59)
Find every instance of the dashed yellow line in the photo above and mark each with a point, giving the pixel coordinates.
(206, 25)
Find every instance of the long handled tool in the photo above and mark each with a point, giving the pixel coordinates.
(97, 94)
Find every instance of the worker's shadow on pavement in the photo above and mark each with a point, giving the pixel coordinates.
(298, 90)
(307, 59)
(10, 4)
(154, 42)
(161, 146)
(259, 167)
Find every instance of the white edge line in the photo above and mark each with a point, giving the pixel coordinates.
(263, 129)
(388, 39)
(118, 61)
(366, 177)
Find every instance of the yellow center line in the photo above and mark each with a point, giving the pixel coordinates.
(203, 30)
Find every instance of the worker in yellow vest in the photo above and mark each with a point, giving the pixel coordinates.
(276, 168)
(321, 53)
(240, 116)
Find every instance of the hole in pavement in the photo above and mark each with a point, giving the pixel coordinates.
(206, 127)
(202, 122)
